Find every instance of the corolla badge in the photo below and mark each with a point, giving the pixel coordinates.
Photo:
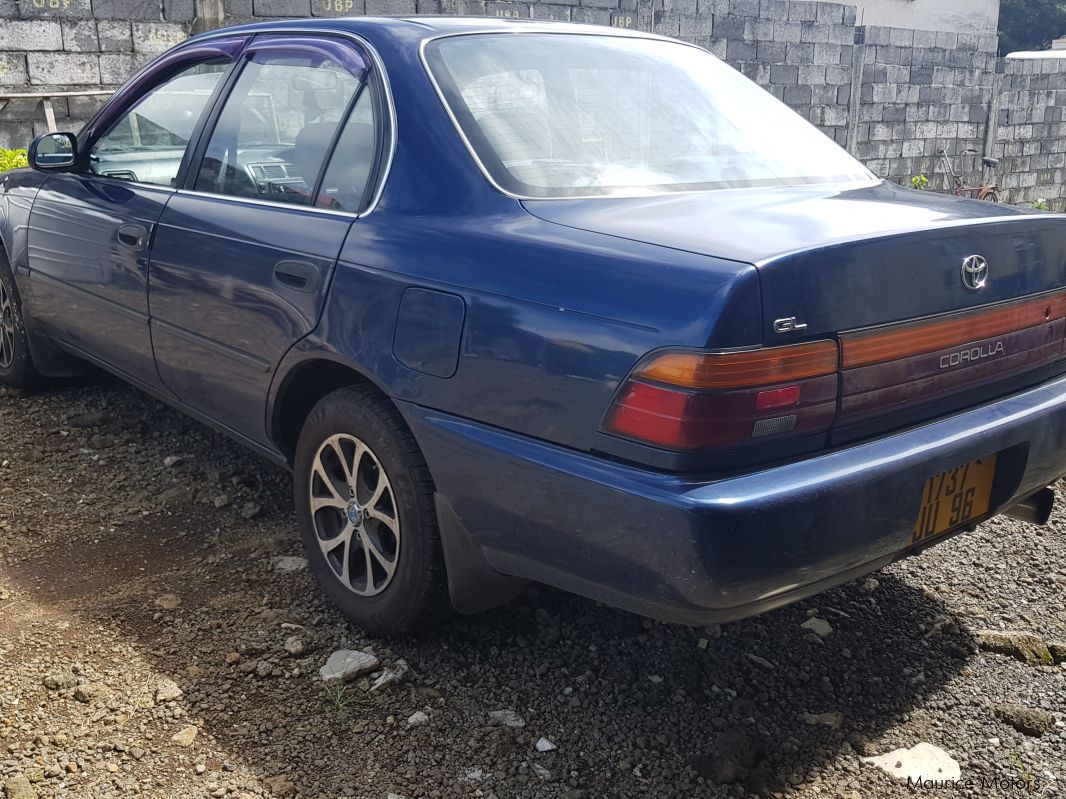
(974, 272)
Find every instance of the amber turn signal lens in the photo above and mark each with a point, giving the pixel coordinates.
(761, 367)
(907, 339)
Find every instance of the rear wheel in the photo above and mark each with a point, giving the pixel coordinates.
(16, 362)
(364, 502)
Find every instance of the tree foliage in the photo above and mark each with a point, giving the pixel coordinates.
(1030, 24)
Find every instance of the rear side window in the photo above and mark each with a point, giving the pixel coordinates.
(277, 126)
(344, 186)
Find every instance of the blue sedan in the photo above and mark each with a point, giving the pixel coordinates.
(536, 301)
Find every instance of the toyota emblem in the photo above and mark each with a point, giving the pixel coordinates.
(974, 272)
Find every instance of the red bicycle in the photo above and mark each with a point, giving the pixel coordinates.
(986, 191)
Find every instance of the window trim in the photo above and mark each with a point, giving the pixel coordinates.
(149, 78)
(377, 79)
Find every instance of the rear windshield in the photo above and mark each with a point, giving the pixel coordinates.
(573, 115)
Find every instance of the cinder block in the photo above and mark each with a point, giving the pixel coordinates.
(589, 16)
(295, 8)
(744, 8)
(901, 37)
(787, 32)
(770, 52)
(924, 38)
(832, 13)
(59, 9)
(155, 37)
(506, 10)
(946, 40)
(812, 32)
(797, 95)
(802, 11)
(835, 115)
(114, 36)
(738, 51)
(762, 30)
(665, 23)
(676, 6)
(128, 9)
(732, 28)
(37, 34)
(116, 68)
(774, 10)
(693, 26)
(16, 135)
(63, 69)
(79, 36)
(13, 69)
(85, 107)
(812, 74)
(825, 53)
(837, 75)
(179, 10)
(799, 53)
(784, 74)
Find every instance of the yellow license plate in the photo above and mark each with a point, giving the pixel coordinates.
(954, 497)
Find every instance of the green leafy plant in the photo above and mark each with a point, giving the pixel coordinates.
(919, 182)
(12, 159)
(1040, 205)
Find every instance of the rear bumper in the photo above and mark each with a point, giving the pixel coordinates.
(696, 551)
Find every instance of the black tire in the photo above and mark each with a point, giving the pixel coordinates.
(992, 196)
(16, 361)
(415, 594)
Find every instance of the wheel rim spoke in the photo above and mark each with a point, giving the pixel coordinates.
(358, 534)
(7, 328)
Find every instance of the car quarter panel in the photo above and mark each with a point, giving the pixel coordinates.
(554, 319)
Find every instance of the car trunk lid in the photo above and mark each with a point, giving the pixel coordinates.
(974, 287)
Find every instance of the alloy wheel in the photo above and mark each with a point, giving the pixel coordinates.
(353, 510)
(7, 328)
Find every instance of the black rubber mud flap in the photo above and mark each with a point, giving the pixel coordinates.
(473, 585)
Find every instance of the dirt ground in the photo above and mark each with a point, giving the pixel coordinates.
(153, 644)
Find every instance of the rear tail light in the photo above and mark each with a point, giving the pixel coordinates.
(687, 400)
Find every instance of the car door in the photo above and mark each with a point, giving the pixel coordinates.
(90, 229)
(244, 254)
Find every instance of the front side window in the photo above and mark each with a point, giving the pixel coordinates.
(564, 115)
(276, 127)
(148, 143)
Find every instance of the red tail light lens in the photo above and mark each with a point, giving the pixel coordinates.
(700, 400)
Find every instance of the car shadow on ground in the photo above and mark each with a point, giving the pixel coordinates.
(634, 707)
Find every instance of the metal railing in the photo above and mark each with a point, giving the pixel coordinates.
(46, 101)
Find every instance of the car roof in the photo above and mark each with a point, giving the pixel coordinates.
(432, 26)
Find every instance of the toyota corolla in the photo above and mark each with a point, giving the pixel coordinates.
(531, 301)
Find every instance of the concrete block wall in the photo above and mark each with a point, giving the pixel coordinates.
(76, 45)
(892, 96)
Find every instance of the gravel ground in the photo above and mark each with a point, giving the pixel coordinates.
(153, 644)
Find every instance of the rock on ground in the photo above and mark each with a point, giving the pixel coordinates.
(1028, 720)
(347, 664)
(19, 788)
(1026, 647)
(923, 761)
